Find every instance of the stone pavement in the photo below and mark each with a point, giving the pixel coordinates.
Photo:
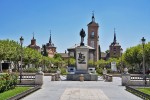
(76, 90)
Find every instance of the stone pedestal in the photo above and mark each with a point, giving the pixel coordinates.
(87, 77)
(82, 58)
(125, 79)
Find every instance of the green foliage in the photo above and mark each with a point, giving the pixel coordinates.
(7, 94)
(9, 50)
(58, 60)
(63, 71)
(72, 61)
(101, 63)
(52, 70)
(107, 51)
(7, 81)
(99, 71)
(109, 70)
(133, 56)
(91, 63)
(31, 70)
(144, 90)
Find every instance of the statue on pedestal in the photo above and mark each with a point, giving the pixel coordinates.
(82, 34)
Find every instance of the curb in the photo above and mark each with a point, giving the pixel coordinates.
(25, 93)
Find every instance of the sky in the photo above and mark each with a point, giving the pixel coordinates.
(65, 19)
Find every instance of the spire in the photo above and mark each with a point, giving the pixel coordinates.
(33, 35)
(114, 37)
(50, 41)
(93, 19)
(33, 40)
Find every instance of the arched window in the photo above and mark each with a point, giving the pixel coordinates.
(92, 34)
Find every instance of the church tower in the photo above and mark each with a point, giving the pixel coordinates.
(50, 48)
(33, 44)
(115, 48)
(93, 37)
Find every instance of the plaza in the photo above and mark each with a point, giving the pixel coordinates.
(76, 90)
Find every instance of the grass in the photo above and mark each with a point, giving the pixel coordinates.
(7, 94)
(144, 90)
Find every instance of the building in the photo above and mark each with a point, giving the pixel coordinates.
(114, 48)
(50, 48)
(64, 55)
(93, 38)
(33, 44)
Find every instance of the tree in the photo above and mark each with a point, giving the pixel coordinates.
(91, 63)
(72, 61)
(101, 63)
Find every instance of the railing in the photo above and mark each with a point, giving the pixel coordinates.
(139, 77)
(138, 93)
(27, 77)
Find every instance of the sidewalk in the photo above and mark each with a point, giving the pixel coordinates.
(76, 90)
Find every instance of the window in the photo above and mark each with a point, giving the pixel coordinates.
(92, 34)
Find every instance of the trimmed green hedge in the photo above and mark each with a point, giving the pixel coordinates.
(7, 81)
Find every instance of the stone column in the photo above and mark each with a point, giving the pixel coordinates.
(125, 79)
(39, 78)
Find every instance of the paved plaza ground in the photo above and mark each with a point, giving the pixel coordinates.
(76, 90)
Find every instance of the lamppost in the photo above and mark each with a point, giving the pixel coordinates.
(144, 69)
(121, 51)
(43, 52)
(21, 42)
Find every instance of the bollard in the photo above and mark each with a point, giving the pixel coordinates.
(53, 77)
(110, 78)
(39, 78)
(104, 76)
(57, 77)
(81, 77)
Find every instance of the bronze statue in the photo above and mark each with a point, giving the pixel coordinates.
(82, 34)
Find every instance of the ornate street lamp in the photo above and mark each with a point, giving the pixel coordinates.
(144, 69)
(21, 42)
(121, 51)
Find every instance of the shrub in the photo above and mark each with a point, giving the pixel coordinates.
(63, 71)
(31, 70)
(109, 70)
(51, 70)
(99, 71)
(7, 81)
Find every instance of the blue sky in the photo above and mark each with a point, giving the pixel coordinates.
(65, 19)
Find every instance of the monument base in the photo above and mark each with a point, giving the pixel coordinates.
(87, 77)
(81, 72)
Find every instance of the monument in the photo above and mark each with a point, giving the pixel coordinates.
(82, 54)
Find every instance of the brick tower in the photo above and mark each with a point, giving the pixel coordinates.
(115, 47)
(93, 37)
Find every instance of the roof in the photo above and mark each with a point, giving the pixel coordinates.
(77, 45)
(34, 46)
(94, 23)
(64, 55)
(114, 44)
